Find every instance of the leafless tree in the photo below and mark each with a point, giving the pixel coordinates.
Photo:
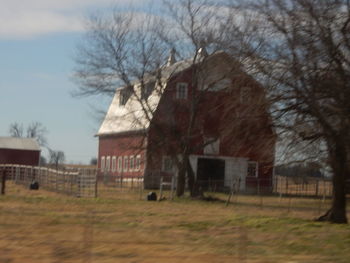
(300, 49)
(35, 130)
(56, 158)
(16, 130)
(128, 50)
(93, 161)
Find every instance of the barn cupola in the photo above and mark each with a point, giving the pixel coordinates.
(171, 59)
(201, 53)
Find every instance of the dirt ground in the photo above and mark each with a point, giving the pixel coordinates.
(40, 226)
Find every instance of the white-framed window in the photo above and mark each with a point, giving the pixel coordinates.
(114, 163)
(108, 163)
(138, 163)
(103, 163)
(122, 98)
(252, 169)
(126, 163)
(245, 94)
(167, 165)
(212, 145)
(120, 164)
(181, 90)
(131, 163)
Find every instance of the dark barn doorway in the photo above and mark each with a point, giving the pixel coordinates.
(211, 174)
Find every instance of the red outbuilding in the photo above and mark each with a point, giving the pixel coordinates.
(231, 138)
(22, 151)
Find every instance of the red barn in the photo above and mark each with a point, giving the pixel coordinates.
(231, 135)
(23, 151)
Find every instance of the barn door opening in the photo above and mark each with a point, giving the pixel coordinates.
(211, 174)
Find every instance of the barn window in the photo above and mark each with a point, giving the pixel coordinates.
(181, 90)
(132, 163)
(114, 163)
(120, 164)
(252, 170)
(108, 163)
(126, 163)
(103, 165)
(138, 163)
(167, 164)
(124, 95)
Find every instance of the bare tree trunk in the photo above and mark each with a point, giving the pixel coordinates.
(192, 182)
(181, 179)
(337, 212)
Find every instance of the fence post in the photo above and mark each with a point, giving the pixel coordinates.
(172, 187)
(78, 184)
(3, 181)
(96, 186)
(141, 187)
(161, 188)
(16, 174)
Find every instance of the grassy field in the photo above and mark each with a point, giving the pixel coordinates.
(39, 226)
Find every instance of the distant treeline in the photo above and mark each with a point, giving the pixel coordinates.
(302, 170)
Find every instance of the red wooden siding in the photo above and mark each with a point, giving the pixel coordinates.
(122, 146)
(22, 157)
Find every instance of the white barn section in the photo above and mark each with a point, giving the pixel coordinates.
(235, 169)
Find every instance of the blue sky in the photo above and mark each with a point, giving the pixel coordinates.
(38, 39)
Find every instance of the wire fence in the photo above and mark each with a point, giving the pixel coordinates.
(109, 185)
(74, 182)
(94, 183)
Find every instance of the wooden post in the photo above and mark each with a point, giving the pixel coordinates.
(3, 181)
(141, 187)
(161, 188)
(172, 187)
(96, 185)
(15, 174)
(231, 193)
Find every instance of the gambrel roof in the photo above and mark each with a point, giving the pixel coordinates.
(136, 114)
(132, 116)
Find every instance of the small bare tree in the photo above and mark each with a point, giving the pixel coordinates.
(56, 158)
(35, 130)
(16, 130)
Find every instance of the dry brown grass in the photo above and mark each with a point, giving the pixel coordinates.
(39, 226)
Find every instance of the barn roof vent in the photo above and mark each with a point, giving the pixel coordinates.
(171, 59)
(202, 52)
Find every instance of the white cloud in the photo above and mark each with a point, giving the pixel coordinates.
(30, 18)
